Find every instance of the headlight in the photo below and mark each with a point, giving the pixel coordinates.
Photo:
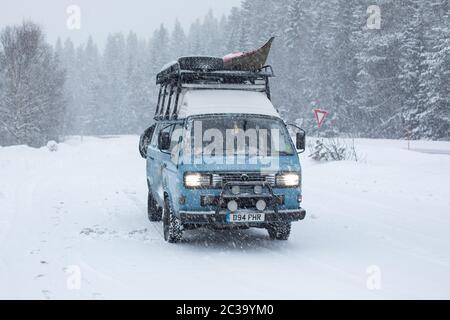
(197, 180)
(290, 179)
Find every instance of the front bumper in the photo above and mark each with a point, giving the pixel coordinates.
(218, 214)
(212, 217)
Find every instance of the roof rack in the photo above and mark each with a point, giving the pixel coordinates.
(204, 73)
(204, 69)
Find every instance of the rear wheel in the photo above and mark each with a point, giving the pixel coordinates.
(154, 212)
(173, 230)
(279, 231)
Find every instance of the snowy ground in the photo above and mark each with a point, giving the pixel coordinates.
(83, 208)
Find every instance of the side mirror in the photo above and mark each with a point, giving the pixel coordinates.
(164, 141)
(300, 144)
(300, 137)
(144, 141)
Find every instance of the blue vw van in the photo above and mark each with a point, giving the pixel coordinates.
(218, 154)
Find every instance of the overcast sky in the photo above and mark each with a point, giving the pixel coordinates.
(100, 17)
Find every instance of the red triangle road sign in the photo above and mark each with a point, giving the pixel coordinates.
(320, 116)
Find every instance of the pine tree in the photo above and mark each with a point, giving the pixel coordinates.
(196, 47)
(210, 35)
(222, 46)
(159, 48)
(233, 30)
(92, 118)
(342, 46)
(377, 82)
(68, 59)
(435, 117)
(114, 90)
(245, 41)
(178, 42)
(412, 70)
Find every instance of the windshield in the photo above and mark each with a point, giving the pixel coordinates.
(239, 135)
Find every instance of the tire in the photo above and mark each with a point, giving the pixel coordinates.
(154, 212)
(173, 229)
(279, 231)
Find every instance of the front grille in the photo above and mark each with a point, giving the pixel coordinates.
(220, 179)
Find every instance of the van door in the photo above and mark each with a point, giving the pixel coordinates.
(163, 167)
(161, 161)
(170, 177)
(152, 162)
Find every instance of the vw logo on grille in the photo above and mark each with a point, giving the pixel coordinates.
(245, 177)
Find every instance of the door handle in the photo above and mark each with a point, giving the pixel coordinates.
(151, 158)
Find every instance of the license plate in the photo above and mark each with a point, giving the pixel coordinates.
(245, 217)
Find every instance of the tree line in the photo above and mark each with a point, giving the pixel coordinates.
(386, 82)
(32, 105)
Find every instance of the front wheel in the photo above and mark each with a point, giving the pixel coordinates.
(173, 230)
(279, 231)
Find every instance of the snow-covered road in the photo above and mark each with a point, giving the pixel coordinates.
(379, 228)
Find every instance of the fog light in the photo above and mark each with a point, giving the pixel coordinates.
(258, 189)
(235, 190)
(232, 206)
(261, 205)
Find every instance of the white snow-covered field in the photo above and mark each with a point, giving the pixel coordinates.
(82, 211)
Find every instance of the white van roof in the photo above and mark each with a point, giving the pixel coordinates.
(210, 101)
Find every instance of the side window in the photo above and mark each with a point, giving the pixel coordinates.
(166, 101)
(170, 102)
(176, 98)
(162, 107)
